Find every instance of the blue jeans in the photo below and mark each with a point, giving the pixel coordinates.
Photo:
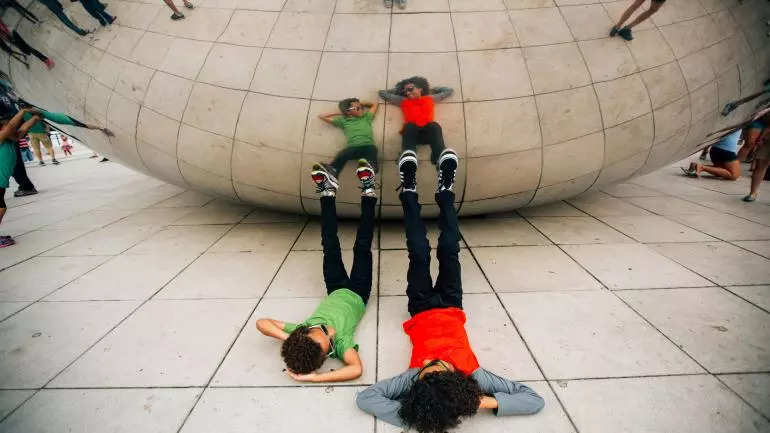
(97, 11)
(26, 155)
(58, 10)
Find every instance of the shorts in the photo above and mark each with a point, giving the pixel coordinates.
(757, 124)
(7, 162)
(719, 156)
(36, 138)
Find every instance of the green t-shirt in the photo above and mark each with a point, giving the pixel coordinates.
(342, 310)
(358, 130)
(39, 128)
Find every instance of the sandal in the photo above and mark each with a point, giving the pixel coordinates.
(175, 16)
(749, 198)
(189, 5)
(688, 173)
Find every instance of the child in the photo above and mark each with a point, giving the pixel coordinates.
(355, 118)
(444, 381)
(417, 103)
(625, 32)
(328, 332)
(26, 154)
(11, 127)
(66, 146)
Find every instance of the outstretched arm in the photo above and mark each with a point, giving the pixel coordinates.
(440, 93)
(381, 399)
(272, 328)
(352, 370)
(506, 396)
(391, 96)
(11, 128)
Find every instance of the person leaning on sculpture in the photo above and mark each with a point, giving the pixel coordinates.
(444, 382)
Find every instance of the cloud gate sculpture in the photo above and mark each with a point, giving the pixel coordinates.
(545, 104)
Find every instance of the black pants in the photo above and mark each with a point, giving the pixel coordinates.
(335, 276)
(96, 10)
(26, 48)
(20, 173)
(429, 134)
(448, 291)
(57, 9)
(352, 153)
(21, 9)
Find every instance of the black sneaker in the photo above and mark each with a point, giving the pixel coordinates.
(447, 168)
(625, 33)
(42, 163)
(24, 192)
(614, 31)
(407, 170)
(325, 183)
(365, 174)
(105, 159)
(55, 162)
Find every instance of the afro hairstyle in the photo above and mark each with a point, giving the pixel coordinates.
(346, 103)
(420, 82)
(301, 353)
(436, 402)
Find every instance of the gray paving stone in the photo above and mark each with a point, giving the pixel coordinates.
(755, 388)
(102, 410)
(41, 340)
(165, 343)
(592, 334)
(680, 403)
(234, 410)
(721, 331)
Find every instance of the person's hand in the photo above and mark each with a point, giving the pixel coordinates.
(487, 402)
(107, 132)
(310, 377)
(31, 110)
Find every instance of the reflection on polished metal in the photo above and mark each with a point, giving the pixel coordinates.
(546, 105)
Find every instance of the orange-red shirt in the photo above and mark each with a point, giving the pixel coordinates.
(440, 334)
(418, 111)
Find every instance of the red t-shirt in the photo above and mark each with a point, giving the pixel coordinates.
(440, 334)
(418, 111)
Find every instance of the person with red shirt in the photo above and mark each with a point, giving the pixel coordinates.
(417, 102)
(444, 381)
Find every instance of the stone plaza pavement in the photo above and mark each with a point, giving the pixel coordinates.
(129, 305)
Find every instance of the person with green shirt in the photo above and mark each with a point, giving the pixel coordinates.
(329, 331)
(13, 125)
(39, 133)
(355, 119)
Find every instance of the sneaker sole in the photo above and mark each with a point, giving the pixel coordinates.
(326, 176)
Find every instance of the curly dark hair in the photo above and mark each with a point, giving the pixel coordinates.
(420, 82)
(438, 400)
(346, 103)
(301, 354)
